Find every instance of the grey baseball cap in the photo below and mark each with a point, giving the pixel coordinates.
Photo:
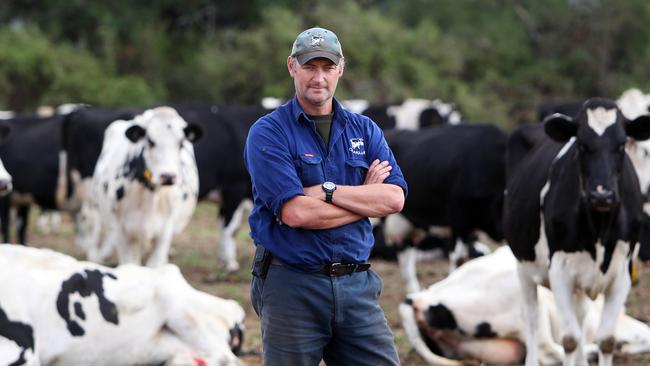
(317, 42)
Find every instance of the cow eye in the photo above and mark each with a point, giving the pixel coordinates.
(150, 142)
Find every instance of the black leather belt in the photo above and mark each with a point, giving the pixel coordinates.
(340, 269)
(336, 269)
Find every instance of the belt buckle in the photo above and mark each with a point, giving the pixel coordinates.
(333, 268)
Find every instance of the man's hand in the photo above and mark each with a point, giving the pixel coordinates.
(377, 172)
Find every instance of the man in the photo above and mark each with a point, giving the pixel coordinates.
(318, 173)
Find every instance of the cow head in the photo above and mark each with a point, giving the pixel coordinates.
(163, 134)
(599, 132)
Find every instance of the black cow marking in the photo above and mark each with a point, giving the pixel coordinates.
(79, 311)
(20, 333)
(91, 283)
(119, 193)
(105, 187)
(440, 317)
(484, 330)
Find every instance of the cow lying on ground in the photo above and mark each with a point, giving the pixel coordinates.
(55, 310)
(475, 313)
(144, 189)
(572, 217)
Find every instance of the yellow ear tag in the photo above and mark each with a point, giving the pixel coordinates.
(147, 175)
(635, 274)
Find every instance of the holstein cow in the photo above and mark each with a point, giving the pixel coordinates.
(219, 156)
(144, 188)
(572, 218)
(476, 313)
(411, 114)
(633, 103)
(30, 156)
(55, 310)
(456, 178)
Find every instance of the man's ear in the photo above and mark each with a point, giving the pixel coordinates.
(290, 65)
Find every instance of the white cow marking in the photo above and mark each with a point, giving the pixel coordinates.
(600, 118)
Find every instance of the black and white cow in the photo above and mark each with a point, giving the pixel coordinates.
(219, 158)
(57, 310)
(572, 218)
(456, 178)
(144, 188)
(411, 114)
(633, 103)
(475, 313)
(30, 156)
(222, 176)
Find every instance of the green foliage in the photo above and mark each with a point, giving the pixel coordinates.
(496, 59)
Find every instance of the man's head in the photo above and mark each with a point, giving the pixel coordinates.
(316, 63)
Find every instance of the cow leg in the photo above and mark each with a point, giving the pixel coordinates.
(571, 329)
(22, 220)
(529, 291)
(229, 224)
(407, 258)
(129, 250)
(615, 298)
(458, 255)
(160, 254)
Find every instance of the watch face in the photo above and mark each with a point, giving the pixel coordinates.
(329, 186)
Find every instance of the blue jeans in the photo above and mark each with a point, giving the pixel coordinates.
(306, 318)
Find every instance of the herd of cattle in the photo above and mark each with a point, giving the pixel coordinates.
(567, 196)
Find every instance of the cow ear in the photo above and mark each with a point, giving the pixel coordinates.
(639, 129)
(193, 132)
(5, 131)
(560, 127)
(135, 133)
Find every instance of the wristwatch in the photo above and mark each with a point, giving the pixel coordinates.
(329, 188)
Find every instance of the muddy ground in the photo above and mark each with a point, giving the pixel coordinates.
(196, 252)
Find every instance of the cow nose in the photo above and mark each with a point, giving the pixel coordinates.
(236, 339)
(5, 187)
(602, 199)
(167, 179)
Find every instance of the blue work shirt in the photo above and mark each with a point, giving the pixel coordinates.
(284, 153)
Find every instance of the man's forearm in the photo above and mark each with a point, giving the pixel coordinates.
(311, 213)
(370, 200)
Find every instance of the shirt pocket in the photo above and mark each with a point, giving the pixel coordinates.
(310, 170)
(356, 170)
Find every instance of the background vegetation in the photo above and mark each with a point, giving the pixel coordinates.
(497, 59)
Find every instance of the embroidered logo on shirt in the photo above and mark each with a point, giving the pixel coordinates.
(309, 155)
(356, 146)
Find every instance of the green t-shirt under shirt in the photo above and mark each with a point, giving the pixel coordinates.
(323, 126)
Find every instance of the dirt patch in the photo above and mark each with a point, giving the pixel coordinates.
(195, 251)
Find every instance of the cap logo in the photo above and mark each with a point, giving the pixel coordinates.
(316, 41)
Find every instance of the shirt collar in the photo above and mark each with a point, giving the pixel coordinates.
(300, 115)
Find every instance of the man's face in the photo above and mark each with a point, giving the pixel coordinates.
(315, 81)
